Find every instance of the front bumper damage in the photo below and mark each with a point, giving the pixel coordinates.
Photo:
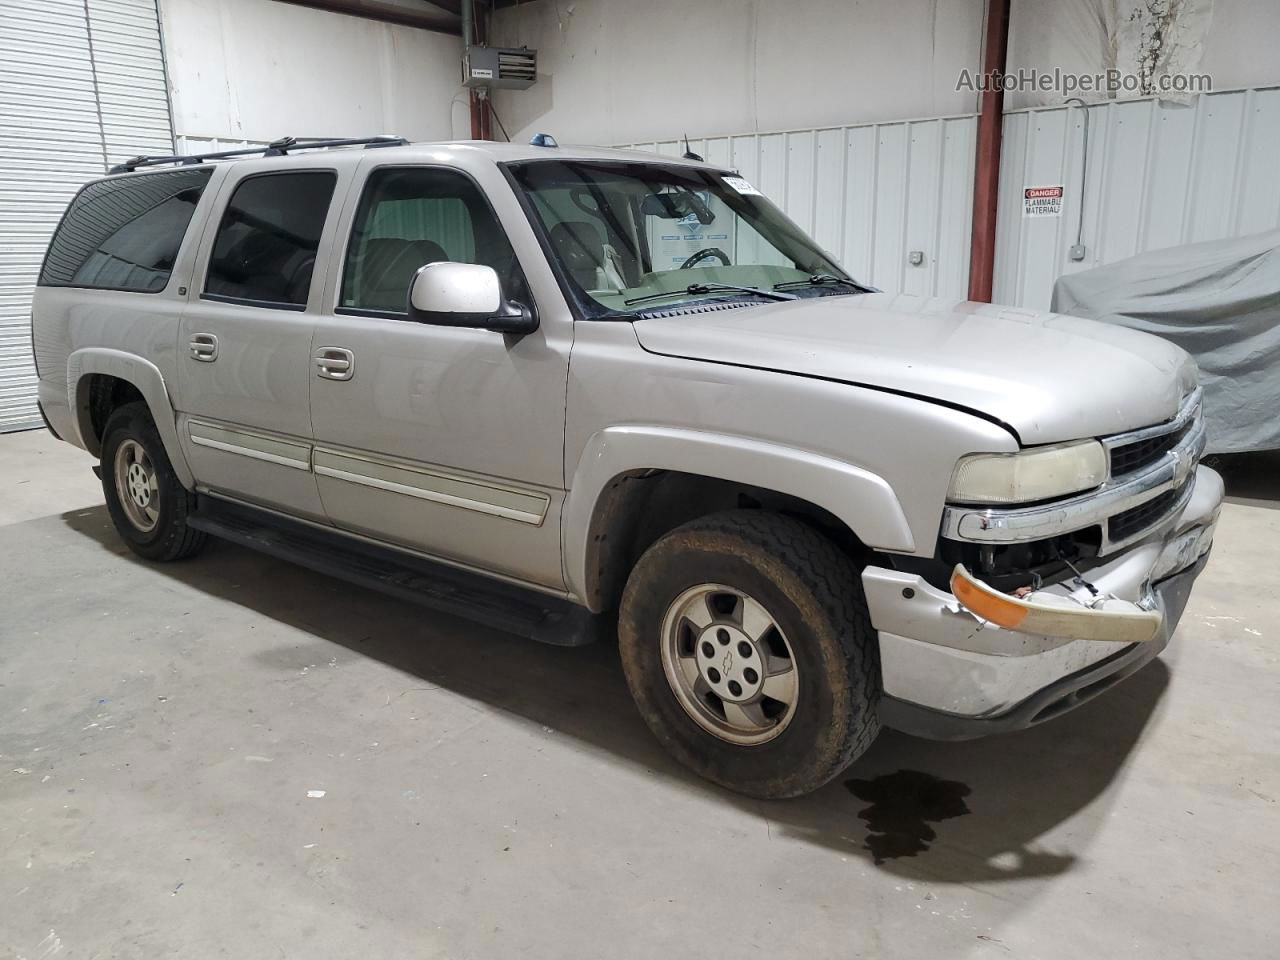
(952, 674)
(1048, 614)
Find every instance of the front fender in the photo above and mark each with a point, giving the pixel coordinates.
(142, 374)
(862, 500)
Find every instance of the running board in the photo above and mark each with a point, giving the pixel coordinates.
(493, 603)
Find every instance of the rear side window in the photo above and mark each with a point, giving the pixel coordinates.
(124, 234)
(265, 250)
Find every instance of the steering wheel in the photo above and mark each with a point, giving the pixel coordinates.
(706, 253)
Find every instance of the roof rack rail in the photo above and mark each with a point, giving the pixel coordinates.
(277, 148)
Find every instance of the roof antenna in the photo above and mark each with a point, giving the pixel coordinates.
(689, 154)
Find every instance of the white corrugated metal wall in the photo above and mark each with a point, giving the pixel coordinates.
(1159, 175)
(870, 194)
(82, 85)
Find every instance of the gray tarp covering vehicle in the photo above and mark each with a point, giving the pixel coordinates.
(1219, 301)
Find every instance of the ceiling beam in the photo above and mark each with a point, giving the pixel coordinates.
(437, 17)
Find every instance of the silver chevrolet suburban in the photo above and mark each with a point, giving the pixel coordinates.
(556, 388)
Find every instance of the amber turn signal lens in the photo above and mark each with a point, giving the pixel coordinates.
(989, 605)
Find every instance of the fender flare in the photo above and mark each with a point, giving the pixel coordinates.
(862, 500)
(144, 375)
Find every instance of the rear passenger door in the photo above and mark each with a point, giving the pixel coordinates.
(244, 348)
(448, 440)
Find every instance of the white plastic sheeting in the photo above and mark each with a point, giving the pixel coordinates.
(1159, 175)
(869, 194)
(1146, 40)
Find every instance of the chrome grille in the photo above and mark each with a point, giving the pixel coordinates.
(1134, 451)
(1142, 453)
(1124, 526)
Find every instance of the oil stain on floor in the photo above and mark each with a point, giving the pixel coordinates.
(903, 804)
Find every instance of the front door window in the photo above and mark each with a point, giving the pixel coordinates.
(412, 216)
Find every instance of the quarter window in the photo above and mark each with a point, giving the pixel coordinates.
(265, 250)
(124, 233)
(411, 216)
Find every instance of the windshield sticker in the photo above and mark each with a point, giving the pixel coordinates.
(742, 186)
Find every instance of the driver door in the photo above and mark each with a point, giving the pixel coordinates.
(446, 440)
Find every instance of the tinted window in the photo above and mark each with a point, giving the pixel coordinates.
(409, 217)
(265, 250)
(124, 234)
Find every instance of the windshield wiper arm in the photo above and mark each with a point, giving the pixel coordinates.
(817, 280)
(698, 289)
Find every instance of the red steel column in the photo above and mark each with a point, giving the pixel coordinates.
(479, 116)
(986, 184)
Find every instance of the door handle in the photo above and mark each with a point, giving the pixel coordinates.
(204, 346)
(335, 363)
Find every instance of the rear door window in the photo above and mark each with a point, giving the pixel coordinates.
(265, 249)
(124, 234)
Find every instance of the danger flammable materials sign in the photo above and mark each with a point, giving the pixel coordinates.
(1042, 202)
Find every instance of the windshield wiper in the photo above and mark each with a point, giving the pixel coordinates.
(818, 279)
(698, 289)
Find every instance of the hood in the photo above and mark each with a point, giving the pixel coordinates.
(1049, 377)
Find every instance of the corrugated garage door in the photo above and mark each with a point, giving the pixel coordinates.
(82, 86)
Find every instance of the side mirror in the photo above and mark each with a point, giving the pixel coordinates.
(466, 295)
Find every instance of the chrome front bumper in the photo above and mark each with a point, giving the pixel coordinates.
(944, 669)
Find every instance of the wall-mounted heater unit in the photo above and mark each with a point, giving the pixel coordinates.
(500, 68)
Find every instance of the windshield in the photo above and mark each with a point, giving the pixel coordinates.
(632, 237)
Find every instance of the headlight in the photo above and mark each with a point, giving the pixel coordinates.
(1041, 473)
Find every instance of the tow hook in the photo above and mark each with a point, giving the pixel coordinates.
(1054, 615)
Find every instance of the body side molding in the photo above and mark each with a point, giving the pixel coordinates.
(519, 503)
(250, 443)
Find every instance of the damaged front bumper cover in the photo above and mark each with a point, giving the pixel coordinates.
(963, 664)
(1100, 617)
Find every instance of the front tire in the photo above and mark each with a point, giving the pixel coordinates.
(148, 504)
(747, 646)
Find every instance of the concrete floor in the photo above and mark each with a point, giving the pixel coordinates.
(162, 728)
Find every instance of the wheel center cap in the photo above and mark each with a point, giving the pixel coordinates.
(139, 485)
(729, 662)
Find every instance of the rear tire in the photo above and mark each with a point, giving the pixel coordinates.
(146, 500)
(748, 648)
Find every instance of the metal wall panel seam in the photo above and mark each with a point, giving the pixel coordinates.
(93, 70)
(1193, 170)
(1245, 141)
(844, 190)
(1144, 207)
